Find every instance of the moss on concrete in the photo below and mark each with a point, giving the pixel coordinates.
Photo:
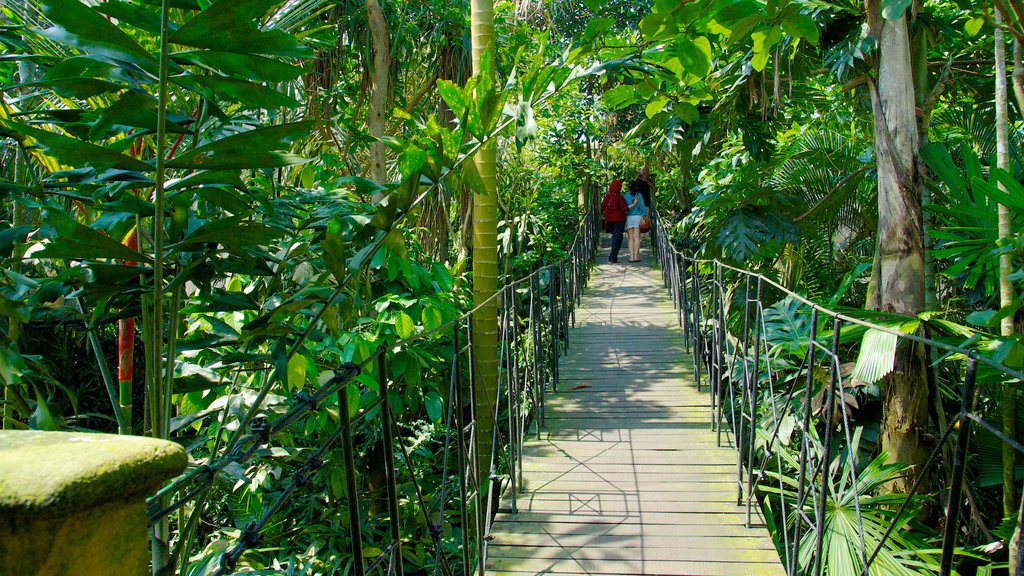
(54, 474)
(105, 540)
(75, 504)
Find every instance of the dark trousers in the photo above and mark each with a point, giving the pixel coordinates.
(617, 229)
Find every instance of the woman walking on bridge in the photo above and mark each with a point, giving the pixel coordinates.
(613, 208)
(636, 211)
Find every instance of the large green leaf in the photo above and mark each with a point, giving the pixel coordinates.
(141, 17)
(251, 95)
(72, 240)
(134, 110)
(801, 26)
(248, 66)
(695, 55)
(233, 233)
(81, 77)
(877, 356)
(233, 27)
(620, 96)
(74, 152)
(78, 25)
(260, 148)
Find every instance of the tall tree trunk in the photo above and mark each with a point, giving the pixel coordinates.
(485, 264)
(900, 240)
(380, 87)
(1018, 92)
(1008, 400)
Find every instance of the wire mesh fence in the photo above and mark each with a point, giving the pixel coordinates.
(535, 313)
(786, 377)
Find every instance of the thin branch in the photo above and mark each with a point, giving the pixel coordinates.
(423, 92)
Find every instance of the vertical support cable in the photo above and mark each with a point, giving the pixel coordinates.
(552, 349)
(350, 483)
(956, 482)
(804, 440)
(741, 427)
(389, 465)
(826, 450)
(462, 456)
(752, 395)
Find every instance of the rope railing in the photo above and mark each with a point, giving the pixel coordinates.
(535, 313)
(781, 400)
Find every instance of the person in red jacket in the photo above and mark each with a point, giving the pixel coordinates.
(613, 208)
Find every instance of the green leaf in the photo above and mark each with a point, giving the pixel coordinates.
(232, 233)
(655, 106)
(695, 55)
(434, 405)
(894, 9)
(134, 110)
(259, 148)
(598, 26)
(74, 152)
(78, 242)
(404, 325)
(453, 96)
(11, 237)
(80, 77)
(732, 13)
(15, 309)
(251, 95)
(77, 25)
(234, 27)
(940, 162)
(876, 358)
(471, 178)
(140, 17)
(248, 66)
(526, 126)
(296, 372)
(686, 112)
(801, 26)
(411, 159)
(764, 41)
(619, 97)
(334, 250)
(974, 25)
(431, 317)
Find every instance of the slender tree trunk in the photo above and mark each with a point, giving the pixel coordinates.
(380, 87)
(1018, 92)
(900, 240)
(1008, 400)
(485, 264)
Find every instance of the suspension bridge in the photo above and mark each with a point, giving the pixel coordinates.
(639, 423)
(628, 476)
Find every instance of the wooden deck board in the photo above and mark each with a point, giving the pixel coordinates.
(627, 477)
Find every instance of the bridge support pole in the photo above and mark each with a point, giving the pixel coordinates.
(75, 504)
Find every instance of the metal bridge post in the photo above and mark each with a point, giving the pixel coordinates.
(462, 456)
(552, 350)
(956, 482)
(684, 288)
(350, 483)
(802, 474)
(740, 426)
(752, 394)
(389, 465)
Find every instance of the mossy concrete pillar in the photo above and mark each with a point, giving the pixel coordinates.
(75, 504)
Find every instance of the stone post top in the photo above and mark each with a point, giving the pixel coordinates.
(52, 473)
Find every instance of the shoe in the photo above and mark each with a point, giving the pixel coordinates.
(613, 261)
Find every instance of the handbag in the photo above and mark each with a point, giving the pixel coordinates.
(645, 225)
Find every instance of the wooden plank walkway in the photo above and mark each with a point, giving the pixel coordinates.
(627, 478)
